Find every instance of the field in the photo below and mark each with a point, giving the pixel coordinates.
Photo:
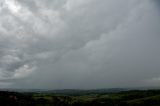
(81, 98)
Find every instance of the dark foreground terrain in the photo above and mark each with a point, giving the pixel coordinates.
(81, 98)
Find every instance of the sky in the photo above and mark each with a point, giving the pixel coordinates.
(79, 44)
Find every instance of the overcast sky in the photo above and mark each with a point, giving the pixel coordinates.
(84, 44)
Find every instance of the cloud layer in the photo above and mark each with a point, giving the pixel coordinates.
(79, 43)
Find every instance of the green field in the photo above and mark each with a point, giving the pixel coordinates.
(81, 98)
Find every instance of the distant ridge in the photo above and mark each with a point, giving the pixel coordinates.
(78, 91)
(69, 91)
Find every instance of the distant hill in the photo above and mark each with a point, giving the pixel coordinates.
(70, 91)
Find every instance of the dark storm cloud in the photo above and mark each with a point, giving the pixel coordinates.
(79, 43)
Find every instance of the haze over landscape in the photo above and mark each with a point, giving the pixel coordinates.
(79, 44)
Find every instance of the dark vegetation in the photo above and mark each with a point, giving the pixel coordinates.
(81, 98)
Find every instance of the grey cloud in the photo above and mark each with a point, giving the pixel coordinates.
(79, 44)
